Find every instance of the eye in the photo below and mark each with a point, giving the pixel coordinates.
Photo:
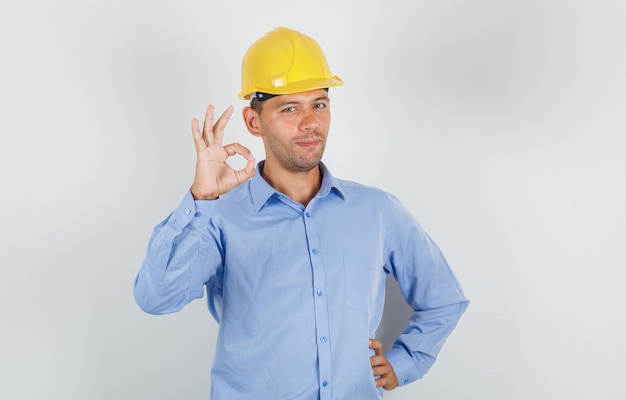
(319, 105)
(289, 110)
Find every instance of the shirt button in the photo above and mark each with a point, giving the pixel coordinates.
(406, 381)
(323, 339)
(197, 214)
(314, 251)
(319, 293)
(308, 215)
(324, 383)
(187, 211)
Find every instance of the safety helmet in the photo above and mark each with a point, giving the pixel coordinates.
(285, 61)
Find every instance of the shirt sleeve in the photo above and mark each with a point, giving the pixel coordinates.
(429, 287)
(183, 255)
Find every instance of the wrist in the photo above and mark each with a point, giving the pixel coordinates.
(198, 195)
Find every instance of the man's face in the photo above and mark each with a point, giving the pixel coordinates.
(294, 129)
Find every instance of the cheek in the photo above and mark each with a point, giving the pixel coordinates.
(324, 118)
(277, 126)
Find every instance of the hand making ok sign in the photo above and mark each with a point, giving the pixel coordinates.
(214, 176)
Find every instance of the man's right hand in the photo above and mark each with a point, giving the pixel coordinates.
(214, 176)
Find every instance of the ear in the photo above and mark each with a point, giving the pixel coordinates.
(251, 119)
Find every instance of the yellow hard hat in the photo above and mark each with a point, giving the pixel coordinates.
(285, 61)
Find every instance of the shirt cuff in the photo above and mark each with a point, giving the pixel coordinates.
(194, 212)
(403, 365)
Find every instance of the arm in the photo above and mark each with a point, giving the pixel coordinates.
(429, 287)
(179, 259)
(183, 252)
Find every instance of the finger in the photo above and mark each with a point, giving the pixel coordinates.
(244, 174)
(384, 375)
(376, 361)
(249, 168)
(197, 135)
(388, 381)
(236, 148)
(381, 370)
(377, 346)
(381, 376)
(248, 171)
(207, 129)
(385, 382)
(218, 129)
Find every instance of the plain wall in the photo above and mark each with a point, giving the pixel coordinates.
(500, 124)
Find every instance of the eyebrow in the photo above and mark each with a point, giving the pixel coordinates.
(288, 103)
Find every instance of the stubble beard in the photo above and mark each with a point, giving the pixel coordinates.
(291, 157)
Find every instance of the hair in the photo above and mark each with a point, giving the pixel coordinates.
(256, 105)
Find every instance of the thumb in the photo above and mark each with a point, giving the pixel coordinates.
(247, 172)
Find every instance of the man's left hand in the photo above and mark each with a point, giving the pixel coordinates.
(381, 367)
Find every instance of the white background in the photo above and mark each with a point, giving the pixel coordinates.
(500, 124)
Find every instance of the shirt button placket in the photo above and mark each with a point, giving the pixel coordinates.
(321, 314)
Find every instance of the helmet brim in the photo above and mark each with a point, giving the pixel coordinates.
(296, 87)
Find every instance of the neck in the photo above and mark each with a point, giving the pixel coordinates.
(300, 186)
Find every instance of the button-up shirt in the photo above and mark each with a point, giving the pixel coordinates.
(299, 291)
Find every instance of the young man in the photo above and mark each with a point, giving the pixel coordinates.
(294, 260)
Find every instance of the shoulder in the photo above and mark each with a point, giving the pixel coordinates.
(376, 201)
(355, 191)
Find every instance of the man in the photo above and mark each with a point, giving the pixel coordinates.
(294, 260)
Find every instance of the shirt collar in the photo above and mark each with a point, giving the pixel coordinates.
(261, 191)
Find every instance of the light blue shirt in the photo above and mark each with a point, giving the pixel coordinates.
(299, 291)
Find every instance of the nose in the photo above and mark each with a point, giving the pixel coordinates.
(309, 121)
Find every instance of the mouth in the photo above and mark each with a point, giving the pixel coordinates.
(308, 142)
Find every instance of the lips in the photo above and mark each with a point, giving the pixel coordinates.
(308, 143)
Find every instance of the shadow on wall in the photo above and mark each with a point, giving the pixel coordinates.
(396, 315)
